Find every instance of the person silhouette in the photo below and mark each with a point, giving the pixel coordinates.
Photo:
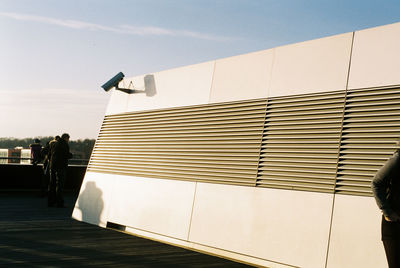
(36, 148)
(58, 165)
(386, 190)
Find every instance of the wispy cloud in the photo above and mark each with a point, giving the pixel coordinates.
(120, 29)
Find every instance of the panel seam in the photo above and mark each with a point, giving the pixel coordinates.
(271, 72)
(191, 214)
(261, 142)
(338, 155)
(212, 82)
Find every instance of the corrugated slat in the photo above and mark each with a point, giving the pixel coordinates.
(217, 143)
(287, 162)
(239, 116)
(159, 174)
(301, 142)
(177, 158)
(155, 132)
(187, 125)
(371, 128)
(160, 136)
(195, 148)
(191, 155)
(180, 140)
(188, 170)
(173, 165)
(192, 112)
(148, 132)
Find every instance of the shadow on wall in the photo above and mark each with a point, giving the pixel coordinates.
(91, 204)
(149, 87)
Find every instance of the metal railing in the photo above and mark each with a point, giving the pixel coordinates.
(20, 160)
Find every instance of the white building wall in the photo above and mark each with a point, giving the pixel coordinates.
(355, 237)
(270, 227)
(95, 199)
(159, 206)
(275, 225)
(242, 77)
(183, 86)
(4, 153)
(376, 57)
(25, 153)
(309, 67)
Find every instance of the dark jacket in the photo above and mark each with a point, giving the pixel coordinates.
(60, 154)
(35, 152)
(44, 154)
(386, 186)
(50, 149)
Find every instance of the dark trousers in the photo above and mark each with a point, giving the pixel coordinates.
(44, 184)
(56, 186)
(392, 249)
(391, 242)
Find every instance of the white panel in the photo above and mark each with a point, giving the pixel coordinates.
(204, 249)
(314, 66)
(154, 205)
(356, 239)
(239, 257)
(94, 199)
(117, 103)
(189, 85)
(376, 57)
(159, 238)
(242, 77)
(287, 227)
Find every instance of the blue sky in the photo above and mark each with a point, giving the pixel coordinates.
(55, 55)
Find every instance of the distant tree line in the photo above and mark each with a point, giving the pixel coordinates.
(81, 149)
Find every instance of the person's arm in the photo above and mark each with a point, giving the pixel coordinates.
(381, 183)
(68, 153)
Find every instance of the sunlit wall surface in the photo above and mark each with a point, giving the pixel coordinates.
(265, 158)
(26, 154)
(3, 156)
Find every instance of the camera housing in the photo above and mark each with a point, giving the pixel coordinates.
(113, 82)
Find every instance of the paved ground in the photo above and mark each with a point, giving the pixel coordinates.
(33, 235)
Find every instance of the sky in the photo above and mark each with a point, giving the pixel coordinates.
(56, 54)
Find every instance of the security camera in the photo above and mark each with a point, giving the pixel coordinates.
(149, 85)
(113, 82)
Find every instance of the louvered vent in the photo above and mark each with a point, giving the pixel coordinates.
(217, 143)
(370, 131)
(301, 142)
(327, 142)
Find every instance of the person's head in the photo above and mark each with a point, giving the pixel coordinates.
(65, 137)
(57, 138)
(37, 141)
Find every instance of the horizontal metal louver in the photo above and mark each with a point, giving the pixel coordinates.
(301, 142)
(216, 143)
(327, 142)
(371, 128)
